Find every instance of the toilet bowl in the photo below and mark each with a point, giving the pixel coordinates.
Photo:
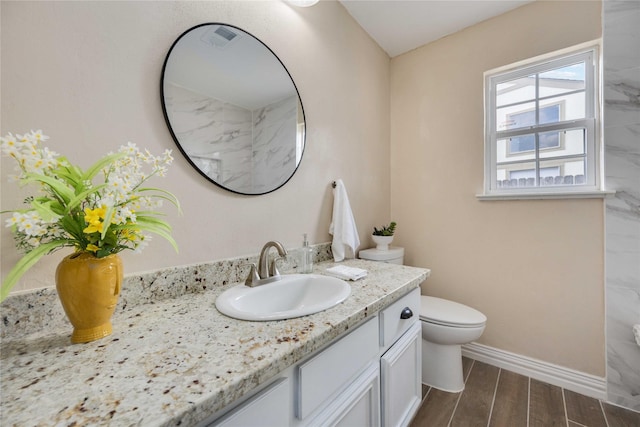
(446, 326)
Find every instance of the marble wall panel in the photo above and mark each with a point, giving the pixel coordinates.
(274, 149)
(246, 151)
(215, 134)
(621, 67)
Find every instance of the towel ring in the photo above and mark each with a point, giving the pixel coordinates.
(333, 184)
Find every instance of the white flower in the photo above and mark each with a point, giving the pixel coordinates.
(130, 148)
(14, 220)
(9, 145)
(116, 184)
(34, 242)
(38, 136)
(142, 243)
(123, 215)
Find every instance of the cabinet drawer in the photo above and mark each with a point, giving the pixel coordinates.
(392, 325)
(270, 407)
(325, 374)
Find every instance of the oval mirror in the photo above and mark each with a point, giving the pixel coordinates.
(233, 109)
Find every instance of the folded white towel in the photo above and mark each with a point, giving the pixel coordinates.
(636, 333)
(347, 273)
(343, 227)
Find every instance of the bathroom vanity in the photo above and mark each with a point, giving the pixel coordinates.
(368, 377)
(178, 361)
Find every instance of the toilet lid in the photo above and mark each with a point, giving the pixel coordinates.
(449, 313)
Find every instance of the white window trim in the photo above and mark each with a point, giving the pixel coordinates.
(595, 189)
(598, 194)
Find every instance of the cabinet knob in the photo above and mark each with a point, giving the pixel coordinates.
(406, 313)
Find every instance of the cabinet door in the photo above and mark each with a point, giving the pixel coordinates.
(269, 408)
(325, 374)
(401, 371)
(357, 405)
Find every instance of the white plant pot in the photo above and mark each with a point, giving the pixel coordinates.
(382, 242)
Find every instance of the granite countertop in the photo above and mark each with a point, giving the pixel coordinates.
(175, 361)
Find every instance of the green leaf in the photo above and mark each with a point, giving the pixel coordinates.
(69, 174)
(74, 227)
(108, 216)
(44, 210)
(101, 164)
(59, 188)
(142, 219)
(159, 228)
(26, 262)
(104, 252)
(56, 207)
(81, 197)
(166, 195)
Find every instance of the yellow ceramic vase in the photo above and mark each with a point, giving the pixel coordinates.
(88, 288)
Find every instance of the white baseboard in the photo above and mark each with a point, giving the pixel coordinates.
(576, 381)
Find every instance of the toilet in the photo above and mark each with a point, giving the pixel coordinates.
(446, 326)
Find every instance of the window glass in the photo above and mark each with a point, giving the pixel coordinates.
(565, 172)
(516, 91)
(515, 117)
(570, 142)
(562, 80)
(515, 148)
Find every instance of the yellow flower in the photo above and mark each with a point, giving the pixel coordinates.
(129, 235)
(94, 218)
(92, 248)
(93, 228)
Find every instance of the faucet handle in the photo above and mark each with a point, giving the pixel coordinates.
(253, 278)
(273, 268)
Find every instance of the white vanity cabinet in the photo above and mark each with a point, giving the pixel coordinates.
(337, 386)
(369, 377)
(400, 363)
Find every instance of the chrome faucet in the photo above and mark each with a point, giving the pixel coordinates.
(265, 272)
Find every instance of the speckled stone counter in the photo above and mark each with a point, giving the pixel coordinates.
(172, 361)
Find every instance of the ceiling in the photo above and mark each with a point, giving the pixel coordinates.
(399, 26)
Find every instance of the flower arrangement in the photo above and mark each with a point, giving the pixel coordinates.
(71, 210)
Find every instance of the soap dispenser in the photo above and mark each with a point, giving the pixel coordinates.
(306, 266)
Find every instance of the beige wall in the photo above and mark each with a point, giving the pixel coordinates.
(88, 73)
(535, 268)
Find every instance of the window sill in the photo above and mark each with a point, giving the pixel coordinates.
(600, 194)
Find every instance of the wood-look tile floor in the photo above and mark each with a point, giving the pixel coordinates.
(494, 397)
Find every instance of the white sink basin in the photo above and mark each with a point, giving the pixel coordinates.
(294, 295)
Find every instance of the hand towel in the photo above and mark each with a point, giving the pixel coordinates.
(636, 333)
(343, 227)
(347, 273)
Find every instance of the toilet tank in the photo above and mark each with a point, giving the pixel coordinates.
(394, 255)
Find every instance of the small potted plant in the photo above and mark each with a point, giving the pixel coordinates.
(384, 236)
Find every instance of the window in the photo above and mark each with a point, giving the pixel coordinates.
(541, 121)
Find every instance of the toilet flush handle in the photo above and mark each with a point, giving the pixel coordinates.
(406, 313)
